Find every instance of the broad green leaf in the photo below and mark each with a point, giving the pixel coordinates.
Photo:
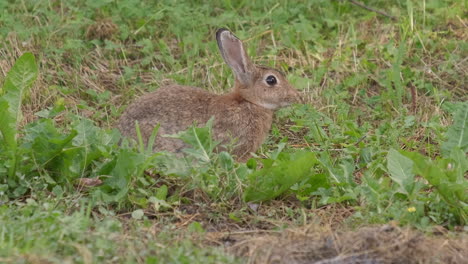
(460, 159)
(457, 134)
(226, 160)
(447, 176)
(270, 182)
(401, 171)
(127, 165)
(173, 165)
(51, 149)
(92, 142)
(8, 127)
(199, 139)
(161, 192)
(20, 77)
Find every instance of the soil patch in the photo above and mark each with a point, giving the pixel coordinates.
(370, 245)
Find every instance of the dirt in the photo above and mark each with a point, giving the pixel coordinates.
(322, 245)
(327, 238)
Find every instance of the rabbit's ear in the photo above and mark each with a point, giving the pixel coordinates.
(234, 55)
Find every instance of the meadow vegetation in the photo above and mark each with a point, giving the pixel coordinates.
(375, 158)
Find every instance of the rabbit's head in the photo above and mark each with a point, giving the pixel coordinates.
(259, 85)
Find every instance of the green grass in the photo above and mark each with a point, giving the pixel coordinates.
(382, 137)
(36, 231)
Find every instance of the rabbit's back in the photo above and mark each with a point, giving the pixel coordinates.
(174, 107)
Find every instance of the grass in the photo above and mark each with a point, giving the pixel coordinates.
(381, 140)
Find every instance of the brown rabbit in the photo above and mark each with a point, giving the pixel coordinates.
(244, 114)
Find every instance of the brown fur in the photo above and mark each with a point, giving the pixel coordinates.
(244, 114)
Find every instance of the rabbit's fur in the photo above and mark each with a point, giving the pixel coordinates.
(244, 114)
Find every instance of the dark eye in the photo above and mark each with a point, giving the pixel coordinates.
(271, 80)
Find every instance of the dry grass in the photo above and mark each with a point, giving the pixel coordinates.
(323, 244)
(102, 29)
(96, 72)
(101, 73)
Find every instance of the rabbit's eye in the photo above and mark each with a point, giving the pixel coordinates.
(271, 80)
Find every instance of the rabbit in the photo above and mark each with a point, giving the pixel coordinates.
(245, 113)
